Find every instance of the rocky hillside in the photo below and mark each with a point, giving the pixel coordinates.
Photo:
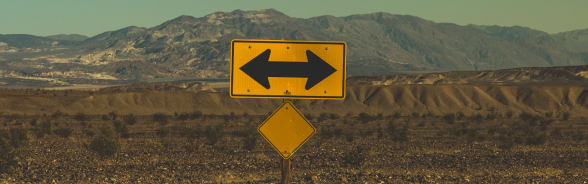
(70, 37)
(378, 43)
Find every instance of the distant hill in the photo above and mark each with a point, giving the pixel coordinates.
(69, 37)
(31, 41)
(378, 44)
(576, 40)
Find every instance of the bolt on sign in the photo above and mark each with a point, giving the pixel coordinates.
(286, 130)
(288, 69)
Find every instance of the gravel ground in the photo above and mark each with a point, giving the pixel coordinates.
(424, 158)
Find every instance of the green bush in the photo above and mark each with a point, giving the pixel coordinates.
(63, 132)
(354, 157)
(104, 146)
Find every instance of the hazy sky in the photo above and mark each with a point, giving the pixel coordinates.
(91, 17)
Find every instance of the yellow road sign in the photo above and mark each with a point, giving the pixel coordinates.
(286, 129)
(288, 69)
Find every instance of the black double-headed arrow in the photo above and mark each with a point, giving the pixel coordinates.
(260, 68)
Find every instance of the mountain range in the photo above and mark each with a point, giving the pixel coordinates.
(378, 43)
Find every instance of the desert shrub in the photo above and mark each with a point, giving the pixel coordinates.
(449, 118)
(105, 130)
(14, 136)
(130, 119)
(34, 121)
(113, 115)
(214, 133)
(349, 114)
(578, 136)
(104, 146)
(322, 117)
(396, 115)
(415, 114)
(57, 114)
(475, 135)
(565, 116)
(334, 116)
(63, 132)
(12, 117)
(380, 116)
(530, 118)
(195, 114)
(476, 118)
(546, 122)
(459, 115)
(491, 116)
(183, 116)
(249, 142)
(45, 129)
(349, 136)
(537, 139)
(121, 129)
(309, 116)
(105, 117)
(509, 114)
(397, 134)
(81, 117)
(162, 132)
(365, 117)
(354, 157)
(327, 133)
(89, 133)
(380, 133)
(366, 133)
(7, 157)
(506, 143)
(160, 117)
(421, 124)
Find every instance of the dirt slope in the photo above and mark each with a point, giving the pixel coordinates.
(406, 99)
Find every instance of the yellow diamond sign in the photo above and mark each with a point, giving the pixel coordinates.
(286, 129)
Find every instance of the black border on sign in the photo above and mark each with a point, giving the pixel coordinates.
(290, 96)
(274, 146)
